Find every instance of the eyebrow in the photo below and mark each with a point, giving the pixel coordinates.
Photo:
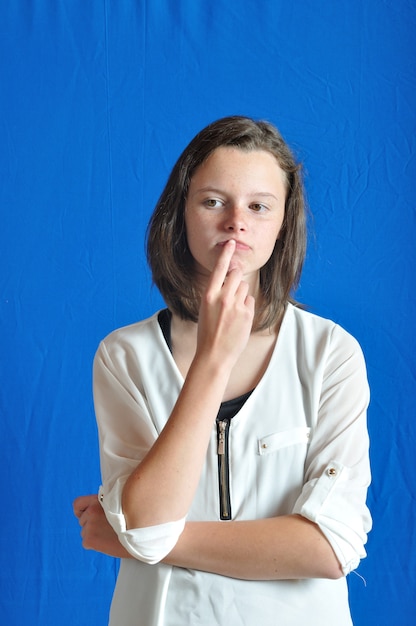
(257, 194)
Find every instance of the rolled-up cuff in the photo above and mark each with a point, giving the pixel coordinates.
(150, 544)
(325, 501)
(153, 543)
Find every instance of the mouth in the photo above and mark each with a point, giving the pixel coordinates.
(239, 245)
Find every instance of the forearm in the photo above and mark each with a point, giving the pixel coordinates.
(162, 487)
(286, 547)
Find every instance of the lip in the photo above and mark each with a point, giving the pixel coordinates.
(239, 245)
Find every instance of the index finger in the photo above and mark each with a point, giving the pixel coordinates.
(220, 271)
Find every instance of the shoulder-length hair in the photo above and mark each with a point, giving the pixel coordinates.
(168, 253)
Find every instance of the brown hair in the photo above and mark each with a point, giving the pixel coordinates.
(168, 253)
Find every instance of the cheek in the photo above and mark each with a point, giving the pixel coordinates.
(195, 236)
(274, 230)
(271, 241)
(192, 231)
(197, 228)
(279, 227)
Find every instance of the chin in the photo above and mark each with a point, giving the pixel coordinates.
(235, 266)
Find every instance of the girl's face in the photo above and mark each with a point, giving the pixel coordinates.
(235, 195)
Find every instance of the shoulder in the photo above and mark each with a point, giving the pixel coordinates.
(324, 352)
(130, 332)
(129, 341)
(316, 333)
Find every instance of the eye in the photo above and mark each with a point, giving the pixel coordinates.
(212, 203)
(257, 207)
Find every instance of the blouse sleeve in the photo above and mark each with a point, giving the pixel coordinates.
(126, 432)
(337, 471)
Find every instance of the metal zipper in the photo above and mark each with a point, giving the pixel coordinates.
(223, 428)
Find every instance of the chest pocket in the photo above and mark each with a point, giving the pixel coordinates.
(277, 441)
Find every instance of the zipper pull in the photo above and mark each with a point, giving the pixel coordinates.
(221, 437)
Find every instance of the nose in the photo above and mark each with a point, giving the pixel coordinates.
(235, 219)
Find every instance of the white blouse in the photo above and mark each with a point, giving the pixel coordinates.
(299, 444)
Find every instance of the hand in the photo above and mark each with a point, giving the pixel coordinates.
(96, 533)
(226, 311)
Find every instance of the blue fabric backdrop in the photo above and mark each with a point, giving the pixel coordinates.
(97, 100)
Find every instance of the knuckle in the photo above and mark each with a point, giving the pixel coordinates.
(208, 297)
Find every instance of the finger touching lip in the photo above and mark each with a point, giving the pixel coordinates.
(239, 245)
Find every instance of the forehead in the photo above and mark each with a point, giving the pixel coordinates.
(229, 163)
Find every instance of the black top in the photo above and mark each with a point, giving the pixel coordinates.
(227, 409)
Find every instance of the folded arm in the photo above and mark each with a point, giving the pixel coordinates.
(285, 547)
(277, 548)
